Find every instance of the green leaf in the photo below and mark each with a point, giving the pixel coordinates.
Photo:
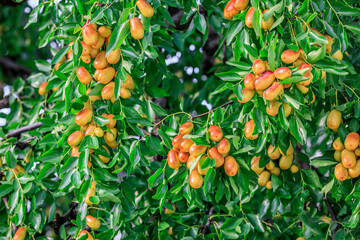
(117, 37)
(231, 223)
(219, 115)
(234, 29)
(255, 222)
(316, 55)
(10, 159)
(208, 181)
(322, 163)
(327, 188)
(5, 189)
(200, 23)
(272, 11)
(240, 65)
(355, 29)
(51, 156)
(311, 178)
(256, 21)
(60, 54)
(46, 170)
(304, 8)
(298, 130)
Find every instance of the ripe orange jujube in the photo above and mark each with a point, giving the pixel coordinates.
(42, 91)
(341, 173)
(92, 222)
(195, 179)
(230, 11)
(112, 121)
(354, 172)
(85, 49)
(334, 119)
(106, 75)
(186, 144)
(173, 159)
(270, 165)
(114, 56)
(186, 128)
(20, 234)
(170, 211)
(337, 145)
(84, 232)
(86, 59)
(273, 108)
(99, 132)
(289, 56)
(269, 185)
(231, 167)
(75, 138)
(104, 31)
(190, 161)
(249, 17)
(266, 25)
(136, 28)
(108, 91)
(90, 130)
(264, 80)
(249, 81)
(145, 8)
(259, 67)
(100, 61)
(247, 95)
(263, 178)
(129, 82)
(197, 150)
(99, 43)
(249, 130)
(176, 142)
(273, 153)
(273, 91)
(83, 117)
(348, 158)
(352, 141)
(214, 154)
(183, 156)
(241, 4)
(94, 52)
(90, 35)
(282, 73)
(75, 152)
(338, 55)
(111, 136)
(215, 133)
(224, 146)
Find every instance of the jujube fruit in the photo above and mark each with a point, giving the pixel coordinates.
(42, 91)
(266, 25)
(286, 161)
(186, 144)
(75, 138)
(273, 108)
(241, 4)
(111, 136)
(83, 117)
(249, 81)
(270, 165)
(269, 185)
(274, 91)
(341, 173)
(145, 8)
(263, 178)
(112, 121)
(136, 28)
(104, 159)
(357, 151)
(94, 52)
(255, 165)
(90, 193)
(282, 73)
(247, 95)
(302, 88)
(177, 141)
(337, 156)
(20, 234)
(86, 59)
(170, 211)
(334, 119)
(214, 154)
(99, 132)
(249, 17)
(114, 56)
(273, 153)
(129, 82)
(104, 31)
(352, 141)
(201, 161)
(75, 152)
(348, 158)
(173, 160)
(99, 43)
(287, 109)
(85, 49)
(354, 172)
(231, 167)
(230, 11)
(106, 75)
(258, 67)
(249, 130)
(289, 151)
(90, 35)
(195, 179)
(84, 232)
(186, 128)
(264, 80)
(197, 150)
(90, 130)
(224, 146)
(108, 91)
(92, 222)
(190, 161)
(100, 61)
(183, 156)
(289, 56)
(337, 144)
(275, 171)
(294, 168)
(338, 55)
(215, 133)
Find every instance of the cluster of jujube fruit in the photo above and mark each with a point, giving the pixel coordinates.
(347, 152)
(186, 151)
(272, 167)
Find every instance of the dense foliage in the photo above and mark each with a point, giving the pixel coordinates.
(182, 119)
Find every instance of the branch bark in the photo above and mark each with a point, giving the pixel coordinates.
(205, 228)
(204, 114)
(332, 214)
(18, 132)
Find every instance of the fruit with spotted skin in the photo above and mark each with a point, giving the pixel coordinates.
(173, 159)
(214, 154)
(186, 128)
(231, 167)
(75, 138)
(92, 222)
(215, 133)
(85, 49)
(264, 80)
(289, 56)
(341, 173)
(195, 179)
(348, 158)
(136, 28)
(282, 73)
(83, 117)
(352, 141)
(337, 145)
(249, 130)
(145, 8)
(334, 119)
(224, 146)
(259, 67)
(357, 151)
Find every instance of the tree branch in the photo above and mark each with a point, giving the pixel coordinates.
(205, 228)
(13, 67)
(332, 214)
(17, 132)
(4, 103)
(204, 114)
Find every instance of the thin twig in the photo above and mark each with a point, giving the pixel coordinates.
(332, 214)
(204, 114)
(17, 132)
